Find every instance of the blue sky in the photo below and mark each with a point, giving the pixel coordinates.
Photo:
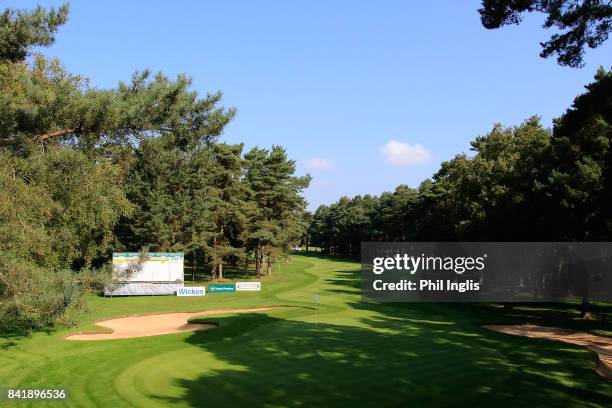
(364, 95)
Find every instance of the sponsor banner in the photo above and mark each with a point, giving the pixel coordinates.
(248, 286)
(191, 291)
(146, 289)
(221, 288)
(486, 271)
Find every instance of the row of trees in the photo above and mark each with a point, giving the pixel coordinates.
(85, 171)
(213, 203)
(523, 183)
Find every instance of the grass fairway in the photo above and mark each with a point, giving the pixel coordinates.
(357, 354)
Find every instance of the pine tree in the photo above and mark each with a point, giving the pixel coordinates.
(226, 205)
(275, 222)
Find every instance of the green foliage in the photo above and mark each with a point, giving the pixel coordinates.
(341, 227)
(20, 30)
(164, 186)
(25, 209)
(214, 204)
(33, 296)
(275, 222)
(57, 213)
(579, 185)
(579, 24)
(86, 170)
(36, 98)
(154, 106)
(59, 207)
(227, 206)
(397, 219)
(43, 103)
(522, 183)
(75, 161)
(480, 198)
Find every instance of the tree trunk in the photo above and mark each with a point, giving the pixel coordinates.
(213, 268)
(258, 260)
(56, 133)
(220, 266)
(85, 254)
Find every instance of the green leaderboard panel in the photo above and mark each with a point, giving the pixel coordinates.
(221, 288)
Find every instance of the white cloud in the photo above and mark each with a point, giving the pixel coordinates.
(404, 154)
(317, 163)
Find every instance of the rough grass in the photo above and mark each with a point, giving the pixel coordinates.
(349, 353)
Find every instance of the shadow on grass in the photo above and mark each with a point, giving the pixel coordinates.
(11, 336)
(345, 281)
(348, 282)
(565, 315)
(400, 356)
(389, 355)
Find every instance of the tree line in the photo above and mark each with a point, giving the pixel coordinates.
(520, 183)
(86, 171)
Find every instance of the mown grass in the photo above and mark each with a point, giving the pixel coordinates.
(349, 353)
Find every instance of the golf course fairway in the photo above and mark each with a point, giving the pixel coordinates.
(346, 353)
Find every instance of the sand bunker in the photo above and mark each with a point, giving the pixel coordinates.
(155, 325)
(599, 344)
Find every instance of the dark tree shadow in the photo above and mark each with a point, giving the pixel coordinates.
(348, 282)
(401, 357)
(12, 336)
(408, 355)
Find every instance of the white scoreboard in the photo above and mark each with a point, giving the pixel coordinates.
(156, 267)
